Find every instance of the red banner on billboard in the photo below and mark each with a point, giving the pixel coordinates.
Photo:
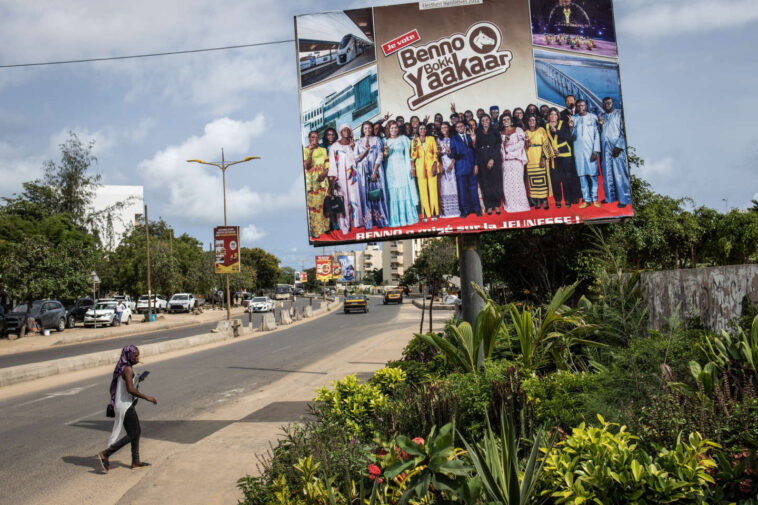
(226, 241)
(400, 42)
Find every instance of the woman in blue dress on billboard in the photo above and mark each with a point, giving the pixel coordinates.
(402, 193)
(370, 154)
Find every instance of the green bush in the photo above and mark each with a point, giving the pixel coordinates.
(352, 404)
(416, 372)
(567, 399)
(388, 379)
(599, 466)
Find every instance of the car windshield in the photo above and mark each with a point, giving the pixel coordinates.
(259, 299)
(283, 289)
(23, 306)
(105, 306)
(143, 298)
(355, 297)
(179, 297)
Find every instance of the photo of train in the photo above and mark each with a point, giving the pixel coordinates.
(350, 48)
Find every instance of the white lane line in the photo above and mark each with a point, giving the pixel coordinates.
(83, 418)
(67, 392)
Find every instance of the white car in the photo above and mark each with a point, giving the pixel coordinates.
(261, 304)
(158, 303)
(182, 302)
(106, 314)
(128, 301)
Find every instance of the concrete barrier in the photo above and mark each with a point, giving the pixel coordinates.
(284, 317)
(307, 311)
(269, 322)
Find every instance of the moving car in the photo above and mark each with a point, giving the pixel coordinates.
(158, 303)
(104, 314)
(356, 302)
(282, 292)
(182, 302)
(393, 296)
(49, 314)
(261, 304)
(75, 311)
(299, 292)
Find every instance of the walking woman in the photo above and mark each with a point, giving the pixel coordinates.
(424, 153)
(514, 159)
(448, 181)
(315, 162)
(370, 155)
(402, 194)
(343, 171)
(123, 393)
(489, 163)
(536, 168)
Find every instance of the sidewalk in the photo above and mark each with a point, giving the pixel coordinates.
(206, 472)
(81, 334)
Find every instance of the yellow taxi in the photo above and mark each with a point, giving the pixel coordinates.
(356, 303)
(393, 296)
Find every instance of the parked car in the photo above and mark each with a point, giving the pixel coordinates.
(127, 300)
(158, 304)
(104, 314)
(182, 302)
(76, 310)
(49, 314)
(299, 292)
(393, 296)
(356, 302)
(261, 304)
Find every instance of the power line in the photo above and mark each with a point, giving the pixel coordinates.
(149, 55)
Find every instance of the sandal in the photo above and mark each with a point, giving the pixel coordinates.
(104, 463)
(140, 464)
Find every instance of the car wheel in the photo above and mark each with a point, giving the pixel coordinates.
(61, 324)
(71, 322)
(128, 320)
(113, 321)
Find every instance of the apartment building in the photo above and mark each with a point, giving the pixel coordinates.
(398, 256)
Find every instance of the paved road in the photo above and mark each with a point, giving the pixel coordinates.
(64, 351)
(49, 437)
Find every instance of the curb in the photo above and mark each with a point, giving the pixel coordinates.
(32, 371)
(418, 304)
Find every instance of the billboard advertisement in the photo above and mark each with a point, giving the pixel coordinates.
(303, 277)
(336, 269)
(504, 114)
(226, 241)
(323, 268)
(347, 265)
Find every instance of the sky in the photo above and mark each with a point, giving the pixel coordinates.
(688, 74)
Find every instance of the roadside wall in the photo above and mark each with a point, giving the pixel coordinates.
(714, 294)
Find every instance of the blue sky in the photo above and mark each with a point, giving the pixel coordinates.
(688, 71)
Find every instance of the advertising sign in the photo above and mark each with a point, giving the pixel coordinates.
(347, 264)
(465, 118)
(303, 277)
(336, 269)
(323, 268)
(297, 276)
(226, 241)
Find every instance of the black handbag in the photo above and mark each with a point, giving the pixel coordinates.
(110, 411)
(334, 204)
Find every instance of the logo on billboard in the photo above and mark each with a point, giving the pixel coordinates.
(452, 63)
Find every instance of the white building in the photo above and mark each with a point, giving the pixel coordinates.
(129, 203)
(397, 257)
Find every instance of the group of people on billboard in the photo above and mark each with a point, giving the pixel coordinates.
(397, 173)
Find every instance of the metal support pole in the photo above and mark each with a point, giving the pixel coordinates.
(228, 298)
(149, 313)
(471, 272)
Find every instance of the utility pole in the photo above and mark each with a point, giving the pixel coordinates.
(470, 259)
(223, 166)
(148, 315)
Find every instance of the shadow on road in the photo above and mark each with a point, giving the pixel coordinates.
(283, 412)
(90, 462)
(181, 432)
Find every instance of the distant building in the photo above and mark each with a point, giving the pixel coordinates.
(129, 203)
(365, 261)
(397, 257)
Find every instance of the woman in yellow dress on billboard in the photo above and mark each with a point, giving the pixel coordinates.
(424, 152)
(537, 154)
(316, 164)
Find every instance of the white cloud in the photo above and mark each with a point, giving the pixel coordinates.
(192, 191)
(646, 19)
(664, 166)
(252, 234)
(16, 167)
(105, 139)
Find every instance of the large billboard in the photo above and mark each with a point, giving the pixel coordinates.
(347, 266)
(323, 268)
(504, 114)
(226, 241)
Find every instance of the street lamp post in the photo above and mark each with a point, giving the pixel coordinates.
(223, 166)
(95, 281)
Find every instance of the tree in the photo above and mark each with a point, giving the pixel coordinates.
(375, 277)
(438, 259)
(287, 275)
(266, 266)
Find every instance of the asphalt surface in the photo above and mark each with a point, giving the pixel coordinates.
(48, 437)
(65, 351)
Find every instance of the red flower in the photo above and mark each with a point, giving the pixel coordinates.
(401, 477)
(419, 441)
(373, 471)
(382, 452)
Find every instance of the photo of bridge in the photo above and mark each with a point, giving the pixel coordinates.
(560, 74)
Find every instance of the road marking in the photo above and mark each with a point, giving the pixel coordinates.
(67, 392)
(83, 417)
